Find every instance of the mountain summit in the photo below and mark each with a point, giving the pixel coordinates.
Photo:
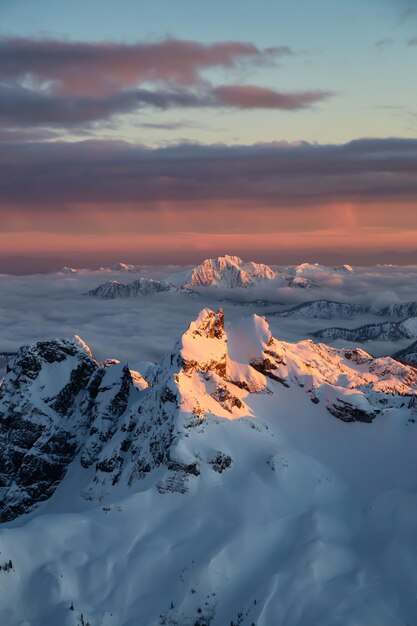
(231, 272)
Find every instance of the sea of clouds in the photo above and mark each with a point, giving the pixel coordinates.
(44, 306)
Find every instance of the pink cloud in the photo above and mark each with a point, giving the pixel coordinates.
(253, 97)
(102, 68)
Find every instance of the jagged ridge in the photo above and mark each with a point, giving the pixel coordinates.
(58, 402)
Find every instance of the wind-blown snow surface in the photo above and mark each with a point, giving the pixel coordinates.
(241, 498)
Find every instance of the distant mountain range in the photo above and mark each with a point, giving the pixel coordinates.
(327, 310)
(386, 331)
(228, 272)
(140, 287)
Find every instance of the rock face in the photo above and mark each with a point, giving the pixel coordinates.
(53, 396)
(231, 272)
(141, 287)
(58, 404)
(5, 357)
(388, 331)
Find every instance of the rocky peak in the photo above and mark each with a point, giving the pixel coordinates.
(208, 324)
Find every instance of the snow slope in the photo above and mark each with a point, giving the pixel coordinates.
(245, 481)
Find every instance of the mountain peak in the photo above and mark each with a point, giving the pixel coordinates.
(208, 323)
(125, 267)
(224, 271)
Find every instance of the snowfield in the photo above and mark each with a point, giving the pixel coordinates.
(242, 480)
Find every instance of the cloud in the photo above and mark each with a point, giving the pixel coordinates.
(63, 84)
(11, 135)
(253, 97)
(412, 41)
(407, 14)
(384, 43)
(42, 307)
(60, 174)
(102, 68)
(25, 107)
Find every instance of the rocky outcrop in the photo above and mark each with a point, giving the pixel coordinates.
(54, 398)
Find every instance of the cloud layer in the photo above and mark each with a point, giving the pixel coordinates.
(66, 84)
(276, 175)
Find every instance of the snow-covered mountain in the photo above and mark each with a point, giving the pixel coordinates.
(140, 287)
(231, 272)
(408, 355)
(325, 310)
(387, 331)
(314, 270)
(222, 486)
(125, 267)
(69, 270)
(399, 311)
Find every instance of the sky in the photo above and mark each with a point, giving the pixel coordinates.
(168, 132)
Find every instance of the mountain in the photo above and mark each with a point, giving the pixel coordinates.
(315, 269)
(69, 270)
(242, 480)
(231, 272)
(399, 311)
(125, 267)
(325, 310)
(388, 331)
(140, 287)
(408, 355)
